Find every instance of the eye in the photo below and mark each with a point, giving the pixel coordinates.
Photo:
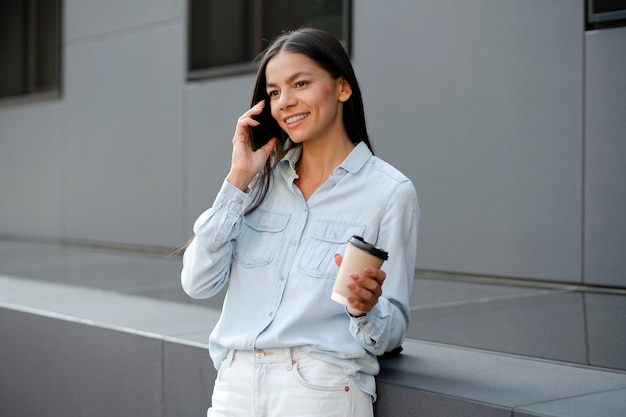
(301, 84)
(272, 93)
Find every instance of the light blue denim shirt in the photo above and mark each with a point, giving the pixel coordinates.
(278, 263)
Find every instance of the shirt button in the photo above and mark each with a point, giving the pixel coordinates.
(271, 313)
(293, 243)
(249, 344)
(240, 201)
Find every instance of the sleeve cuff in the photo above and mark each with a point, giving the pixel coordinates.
(353, 316)
(233, 198)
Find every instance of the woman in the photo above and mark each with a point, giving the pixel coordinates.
(275, 235)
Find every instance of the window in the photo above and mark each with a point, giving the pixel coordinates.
(226, 36)
(606, 13)
(30, 48)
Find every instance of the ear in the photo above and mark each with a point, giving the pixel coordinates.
(345, 91)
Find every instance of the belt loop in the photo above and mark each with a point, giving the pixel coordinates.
(290, 360)
(229, 358)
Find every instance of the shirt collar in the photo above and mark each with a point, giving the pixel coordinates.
(355, 160)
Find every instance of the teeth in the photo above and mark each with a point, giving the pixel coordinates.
(296, 118)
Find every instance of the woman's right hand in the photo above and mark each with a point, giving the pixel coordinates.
(245, 162)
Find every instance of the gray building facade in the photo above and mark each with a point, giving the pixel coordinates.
(507, 115)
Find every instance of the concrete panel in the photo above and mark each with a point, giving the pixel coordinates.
(504, 381)
(125, 136)
(605, 153)
(213, 109)
(394, 400)
(606, 327)
(85, 18)
(188, 379)
(77, 370)
(26, 258)
(108, 309)
(605, 404)
(480, 104)
(32, 168)
(549, 325)
(97, 353)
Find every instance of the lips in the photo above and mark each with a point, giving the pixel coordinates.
(296, 118)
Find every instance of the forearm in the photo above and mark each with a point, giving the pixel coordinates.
(207, 259)
(385, 326)
(382, 329)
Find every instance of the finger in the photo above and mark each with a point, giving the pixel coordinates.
(241, 129)
(368, 283)
(246, 118)
(258, 106)
(378, 274)
(249, 121)
(269, 145)
(365, 294)
(245, 121)
(256, 109)
(359, 305)
(338, 259)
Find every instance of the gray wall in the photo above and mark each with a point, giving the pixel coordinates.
(503, 113)
(481, 103)
(605, 157)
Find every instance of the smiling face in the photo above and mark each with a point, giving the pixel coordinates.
(305, 99)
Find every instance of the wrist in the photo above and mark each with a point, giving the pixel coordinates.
(355, 314)
(239, 180)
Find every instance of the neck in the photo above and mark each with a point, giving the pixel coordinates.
(318, 161)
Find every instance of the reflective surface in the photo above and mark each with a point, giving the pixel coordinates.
(560, 323)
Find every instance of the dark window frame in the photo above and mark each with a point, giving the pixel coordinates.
(41, 51)
(602, 14)
(255, 40)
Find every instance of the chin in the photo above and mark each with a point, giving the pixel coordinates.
(296, 139)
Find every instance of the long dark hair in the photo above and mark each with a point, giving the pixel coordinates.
(328, 53)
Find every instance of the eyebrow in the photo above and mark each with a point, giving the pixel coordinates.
(291, 78)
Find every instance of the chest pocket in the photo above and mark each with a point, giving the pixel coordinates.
(329, 237)
(260, 237)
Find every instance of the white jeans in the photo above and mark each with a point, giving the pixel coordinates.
(285, 383)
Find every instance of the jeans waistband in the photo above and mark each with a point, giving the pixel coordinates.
(271, 355)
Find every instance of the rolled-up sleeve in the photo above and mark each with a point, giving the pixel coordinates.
(385, 326)
(207, 259)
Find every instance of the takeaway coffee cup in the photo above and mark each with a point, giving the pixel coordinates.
(358, 256)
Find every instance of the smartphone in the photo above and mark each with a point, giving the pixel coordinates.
(267, 129)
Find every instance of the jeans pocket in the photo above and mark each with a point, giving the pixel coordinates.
(320, 388)
(318, 375)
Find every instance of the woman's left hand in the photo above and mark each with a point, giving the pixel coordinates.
(365, 287)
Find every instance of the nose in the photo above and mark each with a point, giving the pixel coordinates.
(286, 100)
